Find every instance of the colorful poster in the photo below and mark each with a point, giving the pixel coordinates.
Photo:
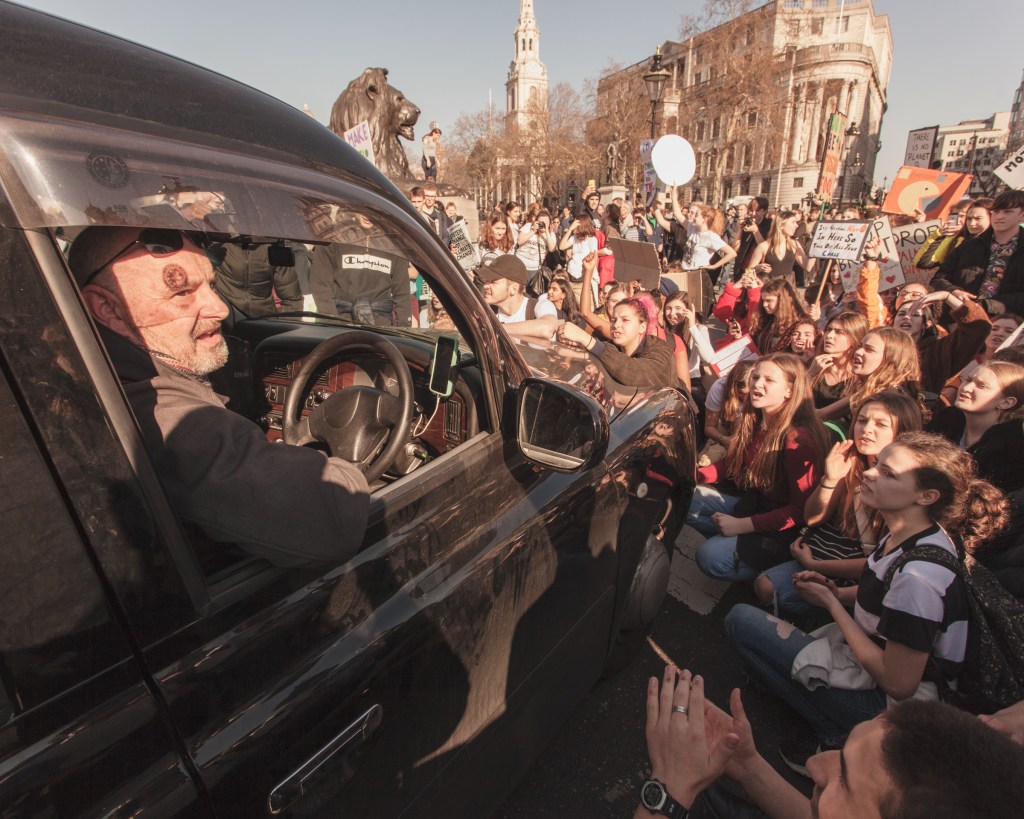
(462, 247)
(920, 144)
(926, 191)
(359, 138)
(732, 354)
(908, 240)
(838, 240)
(834, 135)
(1012, 170)
(891, 270)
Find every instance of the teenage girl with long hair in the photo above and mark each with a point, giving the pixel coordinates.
(723, 409)
(1003, 326)
(831, 369)
(926, 492)
(680, 316)
(778, 255)
(495, 237)
(579, 241)
(778, 310)
(774, 457)
(841, 532)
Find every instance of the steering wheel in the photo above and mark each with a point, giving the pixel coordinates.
(356, 421)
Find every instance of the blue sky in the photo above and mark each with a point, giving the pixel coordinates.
(953, 60)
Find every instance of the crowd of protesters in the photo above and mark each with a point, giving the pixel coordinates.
(865, 430)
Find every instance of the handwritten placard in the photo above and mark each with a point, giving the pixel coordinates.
(920, 144)
(359, 138)
(461, 246)
(1012, 170)
(839, 240)
(891, 271)
(732, 354)
(908, 240)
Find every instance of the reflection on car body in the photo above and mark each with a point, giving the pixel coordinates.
(147, 667)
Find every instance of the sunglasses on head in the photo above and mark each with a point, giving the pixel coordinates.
(157, 241)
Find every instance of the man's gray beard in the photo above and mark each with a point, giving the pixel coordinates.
(205, 361)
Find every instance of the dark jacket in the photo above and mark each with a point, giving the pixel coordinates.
(361, 283)
(289, 504)
(246, 280)
(652, 365)
(998, 454)
(944, 356)
(964, 269)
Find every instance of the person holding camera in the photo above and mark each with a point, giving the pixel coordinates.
(754, 230)
(536, 239)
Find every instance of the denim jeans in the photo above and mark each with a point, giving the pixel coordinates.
(786, 595)
(716, 556)
(768, 647)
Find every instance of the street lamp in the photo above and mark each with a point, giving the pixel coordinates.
(655, 80)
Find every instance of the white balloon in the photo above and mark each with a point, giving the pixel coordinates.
(673, 160)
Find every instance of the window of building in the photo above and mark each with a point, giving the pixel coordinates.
(744, 186)
(818, 4)
(843, 23)
(766, 186)
(794, 4)
(798, 181)
(696, 78)
(794, 28)
(727, 189)
(745, 157)
(700, 131)
(716, 127)
(752, 119)
(750, 35)
(817, 25)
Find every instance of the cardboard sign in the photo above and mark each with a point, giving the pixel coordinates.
(732, 354)
(920, 145)
(830, 159)
(839, 240)
(932, 193)
(1012, 340)
(636, 261)
(908, 240)
(891, 274)
(1012, 170)
(360, 139)
(461, 246)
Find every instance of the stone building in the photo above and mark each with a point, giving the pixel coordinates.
(754, 96)
(974, 146)
(526, 88)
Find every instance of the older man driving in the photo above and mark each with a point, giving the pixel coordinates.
(151, 293)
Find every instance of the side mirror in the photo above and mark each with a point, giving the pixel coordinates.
(559, 427)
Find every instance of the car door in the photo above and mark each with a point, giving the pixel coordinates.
(81, 729)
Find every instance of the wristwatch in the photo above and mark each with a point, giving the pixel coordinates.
(655, 798)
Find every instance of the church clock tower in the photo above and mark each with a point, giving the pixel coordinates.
(527, 85)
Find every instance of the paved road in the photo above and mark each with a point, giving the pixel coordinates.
(596, 763)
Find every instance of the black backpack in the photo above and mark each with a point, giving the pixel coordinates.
(992, 676)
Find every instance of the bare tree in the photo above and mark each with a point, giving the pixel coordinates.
(623, 119)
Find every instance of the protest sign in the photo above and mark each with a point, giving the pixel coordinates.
(1015, 338)
(830, 158)
(891, 271)
(1012, 170)
(732, 354)
(908, 240)
(932, 193)
(360, 139)
(462, 247)
(920, 144)
(650, 175)
(838, 240)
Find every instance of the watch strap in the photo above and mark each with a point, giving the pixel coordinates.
(666, 805)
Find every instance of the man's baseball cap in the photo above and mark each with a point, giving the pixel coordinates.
(505, 266)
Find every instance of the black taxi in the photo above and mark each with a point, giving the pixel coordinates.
(520, 501)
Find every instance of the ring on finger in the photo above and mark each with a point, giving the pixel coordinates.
(680, 709)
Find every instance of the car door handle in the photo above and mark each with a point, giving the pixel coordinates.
(299, 781)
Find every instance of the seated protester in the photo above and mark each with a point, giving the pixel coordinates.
(803, 340)
(495, 238)
(504, 287)
(775, 458)
(917, 759)
(778, 310)
(149, 291)
(738, 303)
(943, 356)
(781, 256)
(885, 359)
(985, 421)
(1003, 326)
(990, 266)
(249, 283)
(680, 319)
(561, 296)
(359, 282)
(722, 409)
(841, 531)
(904, 627)
(965, 221)
(633, 357)
(831, 368)
(599, 321)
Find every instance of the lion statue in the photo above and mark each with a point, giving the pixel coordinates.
(390, 115)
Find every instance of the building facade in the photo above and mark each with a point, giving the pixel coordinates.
(1016, 137)
(754, 96)
(974, 146)
(526, 89)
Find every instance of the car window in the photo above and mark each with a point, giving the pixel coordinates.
(55, 627)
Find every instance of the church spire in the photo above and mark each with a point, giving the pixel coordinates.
(527, 84)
